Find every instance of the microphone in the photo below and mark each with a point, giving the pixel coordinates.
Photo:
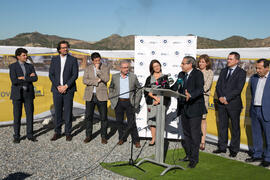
(180, 82)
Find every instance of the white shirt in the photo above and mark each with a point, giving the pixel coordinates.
(95, 73)
(259, 90)
(63, 62)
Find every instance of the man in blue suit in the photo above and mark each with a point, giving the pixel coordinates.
(63, 73)
(260, 112)
(22, 76)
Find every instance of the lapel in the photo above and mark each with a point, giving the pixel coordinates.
(189, 80)
(254, 83)
(267, 86)
(58, 65)
(234, 74)
(117, 82)
(130, 81)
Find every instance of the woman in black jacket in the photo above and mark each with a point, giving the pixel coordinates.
(155, 80)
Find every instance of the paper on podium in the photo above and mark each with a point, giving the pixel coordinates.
(164, 92)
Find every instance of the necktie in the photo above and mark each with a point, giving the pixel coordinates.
(229, 74)
(185, 81)
(23, 69)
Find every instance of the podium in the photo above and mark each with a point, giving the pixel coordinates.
(160, 126)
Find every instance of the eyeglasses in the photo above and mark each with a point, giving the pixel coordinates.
(184, 63)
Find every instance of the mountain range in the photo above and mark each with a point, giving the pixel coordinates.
(117, 42)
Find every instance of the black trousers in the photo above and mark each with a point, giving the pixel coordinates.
(224, 115)
(89, 114)
(121, 108)
(63, 104)
(192, 136)
(17, 114)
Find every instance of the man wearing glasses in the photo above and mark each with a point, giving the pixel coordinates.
(229, 87)
(63, 73)
(190, 83)
(123, 102)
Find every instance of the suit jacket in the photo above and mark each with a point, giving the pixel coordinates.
(114, 90)
(265, 98)
(91, 81)
(70, 73)
(194, 107)
(232, 88)
(15, 71)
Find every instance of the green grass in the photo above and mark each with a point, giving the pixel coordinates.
(210, 167)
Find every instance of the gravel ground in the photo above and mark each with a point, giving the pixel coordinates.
(69, 160)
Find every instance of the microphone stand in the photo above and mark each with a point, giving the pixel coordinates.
(130, 162)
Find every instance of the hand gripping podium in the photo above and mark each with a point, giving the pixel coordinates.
(160, 119)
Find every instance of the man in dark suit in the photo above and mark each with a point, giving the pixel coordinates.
(229, 87)
(63, 73)
(260, 113)
(125, 103)
(190, 82)
(22, 76)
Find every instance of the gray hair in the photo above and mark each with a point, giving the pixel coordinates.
(191, 60)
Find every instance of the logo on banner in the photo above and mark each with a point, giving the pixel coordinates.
(140, 76)
(140, 53)
(176, 75)
(153, 52)
(152, 42)
(189, 41)
(141, 63)
(176, 52)
(165, 41)
(141, 41)
(177, 42)
(164, 64)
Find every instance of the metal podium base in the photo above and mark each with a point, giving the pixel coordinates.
(168, 166)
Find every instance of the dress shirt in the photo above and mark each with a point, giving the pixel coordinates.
(124, 87)
(232, 68)
(95, 73)
(259, 90)
(63, 62)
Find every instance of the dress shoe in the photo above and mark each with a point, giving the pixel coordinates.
(253, 159)
(16, 140)
(152, 144)
(218, 151)
(192, 165)
(55, 137)
(104, 141)
(120, 142)
(33, 139)
(87, 139)
(185, 159)
(233, 154)
(137, 144)
(265, 164)
(68, 138)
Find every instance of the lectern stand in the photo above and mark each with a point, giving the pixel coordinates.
(160, 126)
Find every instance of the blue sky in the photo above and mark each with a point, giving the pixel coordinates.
(92, 20)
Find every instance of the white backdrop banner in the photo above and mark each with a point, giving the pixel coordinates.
(169, 51)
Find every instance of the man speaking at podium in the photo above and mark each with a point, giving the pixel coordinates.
(190, 83)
